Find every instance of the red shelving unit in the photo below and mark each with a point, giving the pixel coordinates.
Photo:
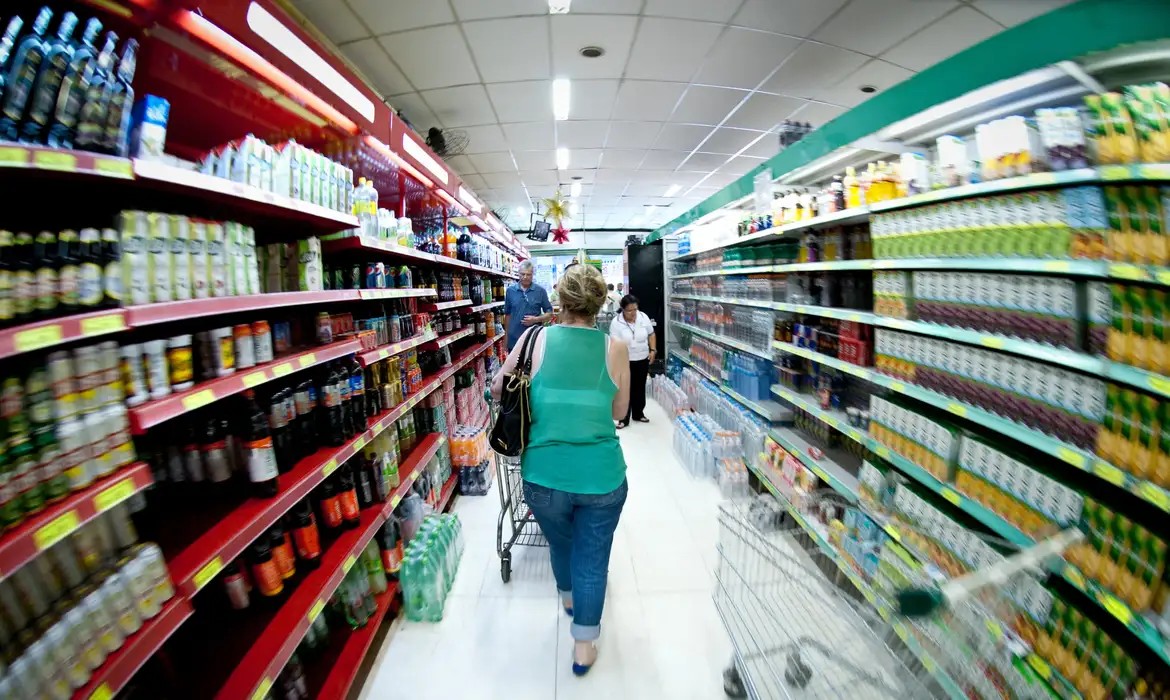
(448, 490)
(369, 357)
(121, 666)
(373, 294)
(44, 160)
(343, 667)
(485, 307)
(57, 331)
(150, 314)
(61, 519)
(152, 413)
(444, 305)
(367, 244)
(446, 340)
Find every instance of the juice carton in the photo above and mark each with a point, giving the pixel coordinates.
(158, 257)
(135, 268)
(1113, 129)
(197, 245)
(1161, 471)
(1157, 250)
(1159, 359)
(1119, 241)
(180, 256)
(1137, 340)
(309, 272)
(274, 277)
(251, 264)
(1146, 448)
(217, 260)
(234, 246)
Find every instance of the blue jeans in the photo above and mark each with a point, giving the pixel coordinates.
(579, 528)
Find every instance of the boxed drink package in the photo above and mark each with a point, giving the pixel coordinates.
(148, 130)
(197, 245)
(310, 274)
(251, 262)
(233, 246)
(274, 277)
(180, 257)
(217, 260)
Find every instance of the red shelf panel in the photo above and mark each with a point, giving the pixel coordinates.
(366, 243)
(152, 413)
(149, 314)
(45, 334)
(121, 666)
(485, 307)
(448, 490)
(345, 667)
(59, 520)
(64, 161)
(369, 357)
(254, 199)
(444, 305)
(371, 294)
(451, 338)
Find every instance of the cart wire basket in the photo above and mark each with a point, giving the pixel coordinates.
(516, 524)
(806, 622)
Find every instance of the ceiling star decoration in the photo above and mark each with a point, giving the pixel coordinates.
(556, 208)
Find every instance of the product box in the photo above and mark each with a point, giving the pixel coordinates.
(251, 262)
(136, 289)
(148, 127)
(217, 260)
(197, 248)
(309, 266)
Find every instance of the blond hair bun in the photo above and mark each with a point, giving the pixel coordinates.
(582, 290)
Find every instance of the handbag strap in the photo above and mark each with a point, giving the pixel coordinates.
(524, 366)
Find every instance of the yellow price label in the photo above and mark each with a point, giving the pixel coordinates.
(883, 452)
(395, 501)
(209, 571)
(254, 378)
(901, 630)
(952, 496)
(898, 386)
(820, 473)
(262, 689)
(1155, 495)
(112, 496)
(348, 564)
(1126, 271)
(282, 369)
(1056, 266)
(830, 421)
(36, 338)
(856, 318)
(1072, 457)
(1115, 607)
(1040, 666)
(1114, 172)
(102, 692)
(56, 530)
(855, 435)
(1154, 171)
(957, 408)
(55, 160)
(928, 664)
(13, 156)
(1163, 276)
(113, 167)
(1074, 577)
(316, 610)
(359, 443)
(992, 342)
(994, 628)
(1158, 384)
(893, 533)
(309, 359)
(329, 468)
(1109, 473)
(198, 400)
(106, 323)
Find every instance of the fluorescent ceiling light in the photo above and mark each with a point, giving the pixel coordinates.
(561, 95)
(672, 190)
(416, 151)
(468, 199)
(575, 189)
(521, 211)
(562, 159)
(559, 7)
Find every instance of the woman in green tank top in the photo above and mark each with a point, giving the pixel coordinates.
(573, 468)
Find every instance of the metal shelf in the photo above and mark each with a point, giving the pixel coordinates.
(369, 357)
(152, 413)
(841, 217)
(345, 668)
(829, 471)
(444, 305)
(744, 347)
(769, 410)
(115, 674)
(45, 334)
(368, 244)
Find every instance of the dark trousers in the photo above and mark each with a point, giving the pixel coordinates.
(638, 371)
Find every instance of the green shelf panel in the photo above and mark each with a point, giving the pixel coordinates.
(1078, 268)
(992, 187)
(769, 410)
(840, 217)
(744, 347)
(1142, 628)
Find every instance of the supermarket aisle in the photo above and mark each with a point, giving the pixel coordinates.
(661, 636)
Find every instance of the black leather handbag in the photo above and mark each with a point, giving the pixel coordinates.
(510, 433)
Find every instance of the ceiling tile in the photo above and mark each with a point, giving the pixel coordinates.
(728, 141)
(705, 10)
(510, 49)
(415, 111)
(601, 189)
(614, 158)
(646, 189)
(581, 134)
(385, 16)
(592, 99)
(414, 53)
(467, 105)
(706, 105)
(477, 182)
(812, 67)
(523, 101)
(608, 7)
(613, 176)
(640, 100)
(763, 112)
(961, 29)
(1012, 12)
(765, 147)
(670, 49)
(704, 161)
(818, 114)
(530, 136)
(741, 165)
(582, 158)
(663, 160)
(872, 26)
(373, 62)
(793, 17)
(876, 73)
(680, 137)
(511, 179)
(573, 32)
(478, 9)
(632, 134)
(334, 19)
(532, 178)
(535, 160)
(586, 175)
(485, 139)
(460, 164)
(719, 180)
(742, 58)
(498, 162)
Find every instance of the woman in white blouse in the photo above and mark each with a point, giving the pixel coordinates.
(636, 329)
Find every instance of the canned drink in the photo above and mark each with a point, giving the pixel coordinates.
(133, 375)
(87, 366)
(244, 345)
(111, 389)
(262, 339)
(223, 349)
(154, 360)
(65, 396)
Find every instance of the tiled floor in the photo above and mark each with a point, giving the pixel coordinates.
(660, 638)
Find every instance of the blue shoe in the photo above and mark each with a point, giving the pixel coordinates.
(568, 611)
(582, 669)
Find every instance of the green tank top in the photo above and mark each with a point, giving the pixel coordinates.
(573, 445)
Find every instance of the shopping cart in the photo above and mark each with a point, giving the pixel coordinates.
(515, 514)
(806, 621)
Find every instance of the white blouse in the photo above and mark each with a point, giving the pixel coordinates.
(636, 334)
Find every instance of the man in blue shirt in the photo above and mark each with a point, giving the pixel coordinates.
(525, 304)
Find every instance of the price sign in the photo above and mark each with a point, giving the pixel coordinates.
(254, 378)
(57, 529)
(198, 400)
(329, 468)
(1071, 457)
(262, 689)
(1074, 577)
(1056, 266)
(1115, 607)
(113, 167)
(309, 359)
(12, 156)
(106, 323)
(898, 386)
(102, 692)
(37, 338)
(1155, 495)
(1114, 172)
(1126, 271)
(208, 572)
(1040, 666)
(316, 610)
(957, 409)
(349, 562)
(114, 495)
(55, 160)
(1109, 473)
(282, 369)
(1159, 384)
(992, 342)
(359, 443)
(952, 496)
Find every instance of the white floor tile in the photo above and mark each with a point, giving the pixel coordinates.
(661, 636)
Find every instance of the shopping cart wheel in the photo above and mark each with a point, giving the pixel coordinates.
(506, 567)
(797, 673)
(732, 685)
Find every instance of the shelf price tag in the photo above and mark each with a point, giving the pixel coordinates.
(106, 323)
(316, 610)
(928, 664)
(957, 409)
(1109, 473)
(57, 529)
(898, 387)
(1071, 457)
(1056, 266)
(1113, 172)
(952, 496)
(198, 400)
(102, 692)
(1155, 495)
(349, 562)
(992, 342)
(883, 452)
(14, 156)
(113, 167)
(1127, 271)
(359, 443)
(209, 571)
(1040, 666)
(329, 468)
(1115, 607)
(262, 689)
(893, 533)
(55, 160)
(1163, 276)
(113, 495)
(282, 369)
(36, 338)
(1154, 171)
(1158, 384)
(254, 379)
(1074, 577)
(309, 359)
